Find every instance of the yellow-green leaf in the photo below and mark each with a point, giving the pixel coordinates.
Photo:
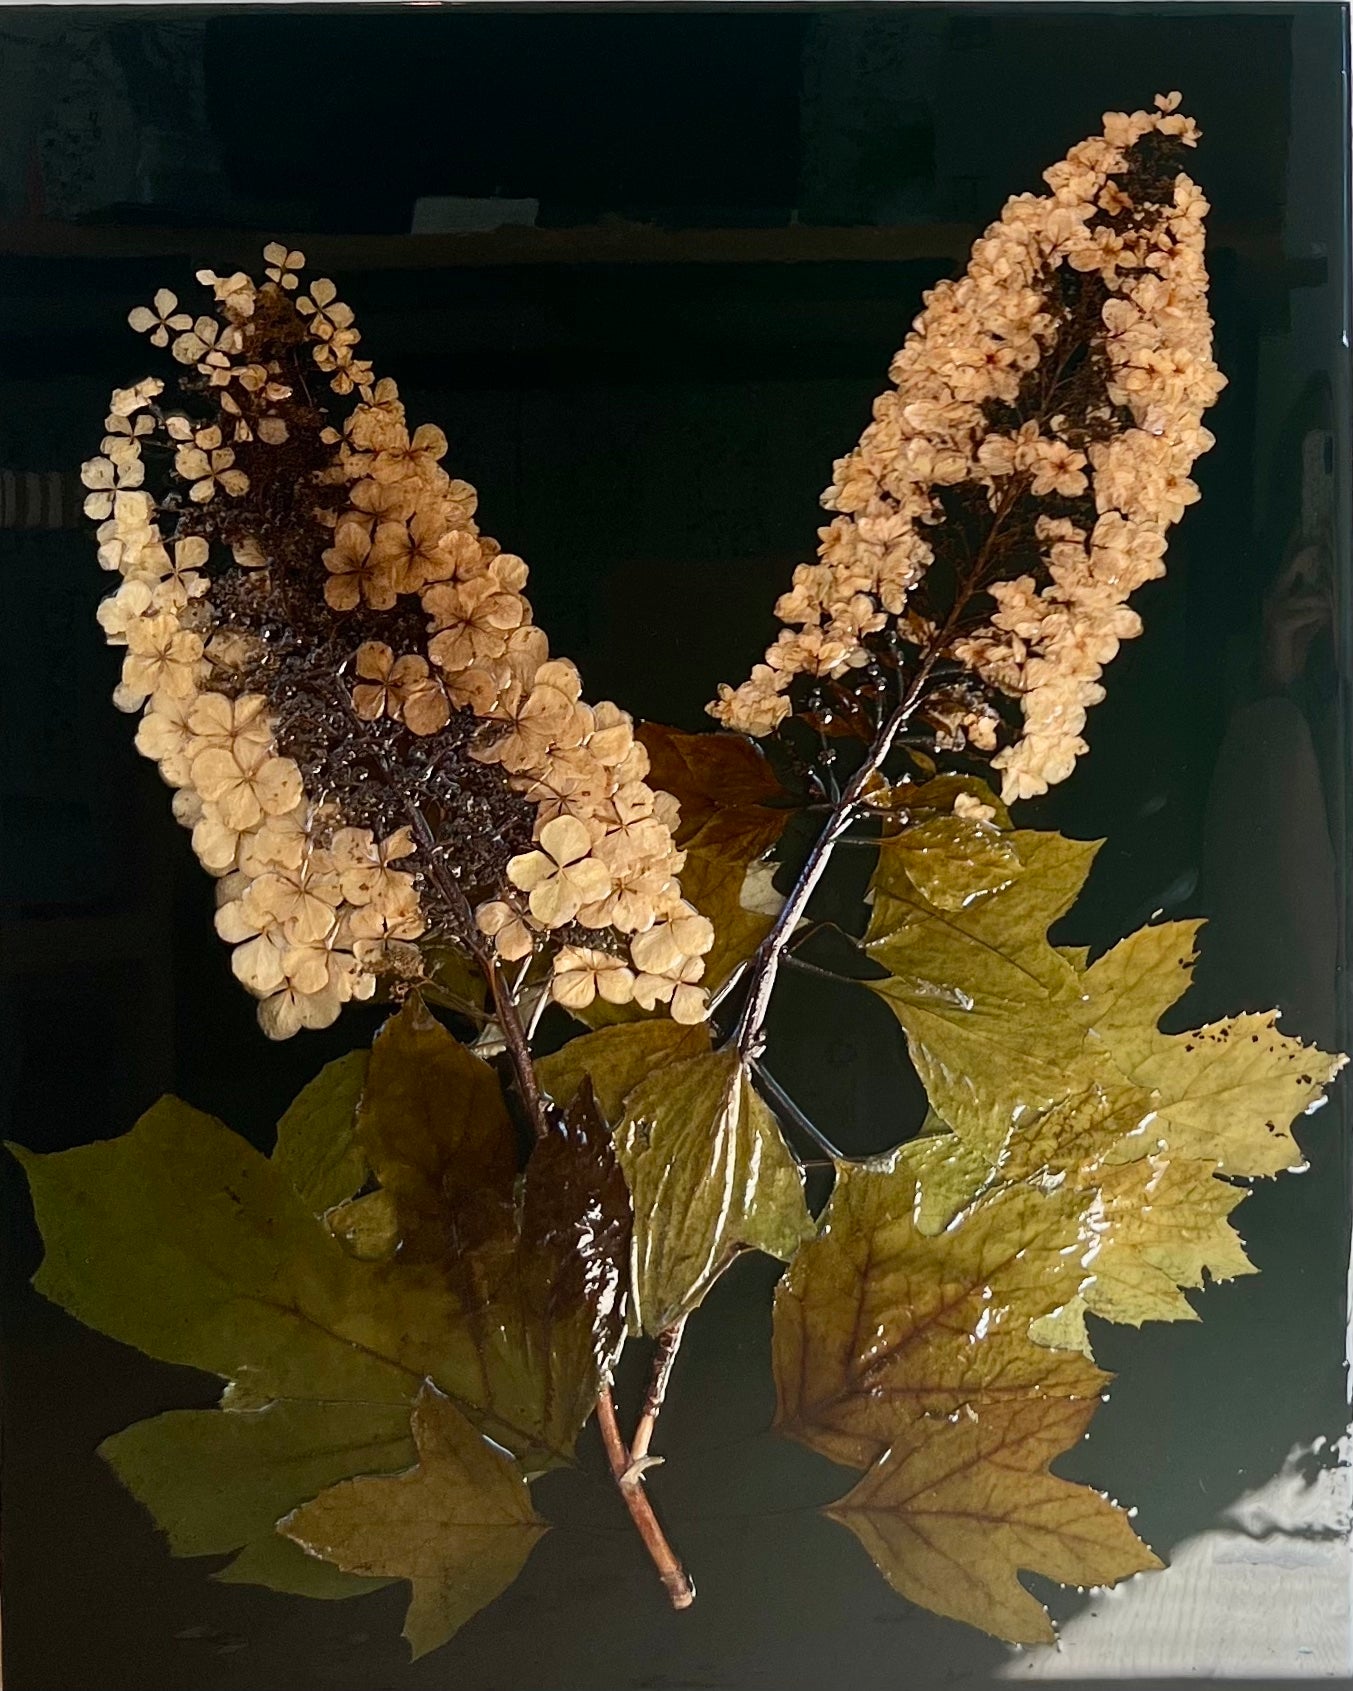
(957, 1507)
(985, 1001)
(877, 1324)
(1231, 1091)
(710, 1174)
(458, 1527)
(616, 1059)
(217, 1482)
(317, 1146)
(952, 860)
(1130, 988)
(182, 1239)
(717, 883)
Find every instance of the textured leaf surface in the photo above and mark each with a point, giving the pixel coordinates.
(534, 1274)
(710, 1174)
(984, 999)
(957, 1507)
(878, 1324)
(1129, 988)
(616, 1059)
(731, 799)
(317, 1145)
(433, 1126)
(458, 1527)
(217, 1482)
(952, 860)
(183, 1240)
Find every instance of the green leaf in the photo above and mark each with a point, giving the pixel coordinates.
(533, 1271)
(217, 1482)
(458, 1527)
(710, 1174)
(183, 1240)
(877, 1324)
(934, 797)
(956, 1507)
(368, 1226)
(453, 979)
(433, 1127)
(616, 1059)
(317, 1147)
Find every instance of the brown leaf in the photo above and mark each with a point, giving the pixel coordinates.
(434, 1128)
(877, 1324)
(458, 1527)
(733, 810)
(731, 799)
(957, 1506)
(576, 1223)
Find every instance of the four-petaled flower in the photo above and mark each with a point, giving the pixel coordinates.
(582, 973)
(246, 782)
(282, 264)
(354, 574)
(562, 875)
(160, 319)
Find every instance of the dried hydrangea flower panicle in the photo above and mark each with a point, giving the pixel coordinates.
(321, 618)
(1063, 375)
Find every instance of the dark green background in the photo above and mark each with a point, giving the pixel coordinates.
(652, 437)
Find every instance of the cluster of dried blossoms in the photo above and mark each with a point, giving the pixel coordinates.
(341, 679)
(1036, 444)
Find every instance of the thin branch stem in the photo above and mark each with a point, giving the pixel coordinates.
(786, 1105)
(664, 1356)
(792, 960)
(749, 1036)
(631, 1488)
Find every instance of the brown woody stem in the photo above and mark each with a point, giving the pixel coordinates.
(630, 1485)
(669, 1343)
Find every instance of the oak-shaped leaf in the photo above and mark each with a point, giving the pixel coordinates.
(878, 1324)
(958, 1505)
(218, 1480)
(183, 1240)
(710, 1174)
(1050, 1069)
(458, 1527)
(1229, 1091)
